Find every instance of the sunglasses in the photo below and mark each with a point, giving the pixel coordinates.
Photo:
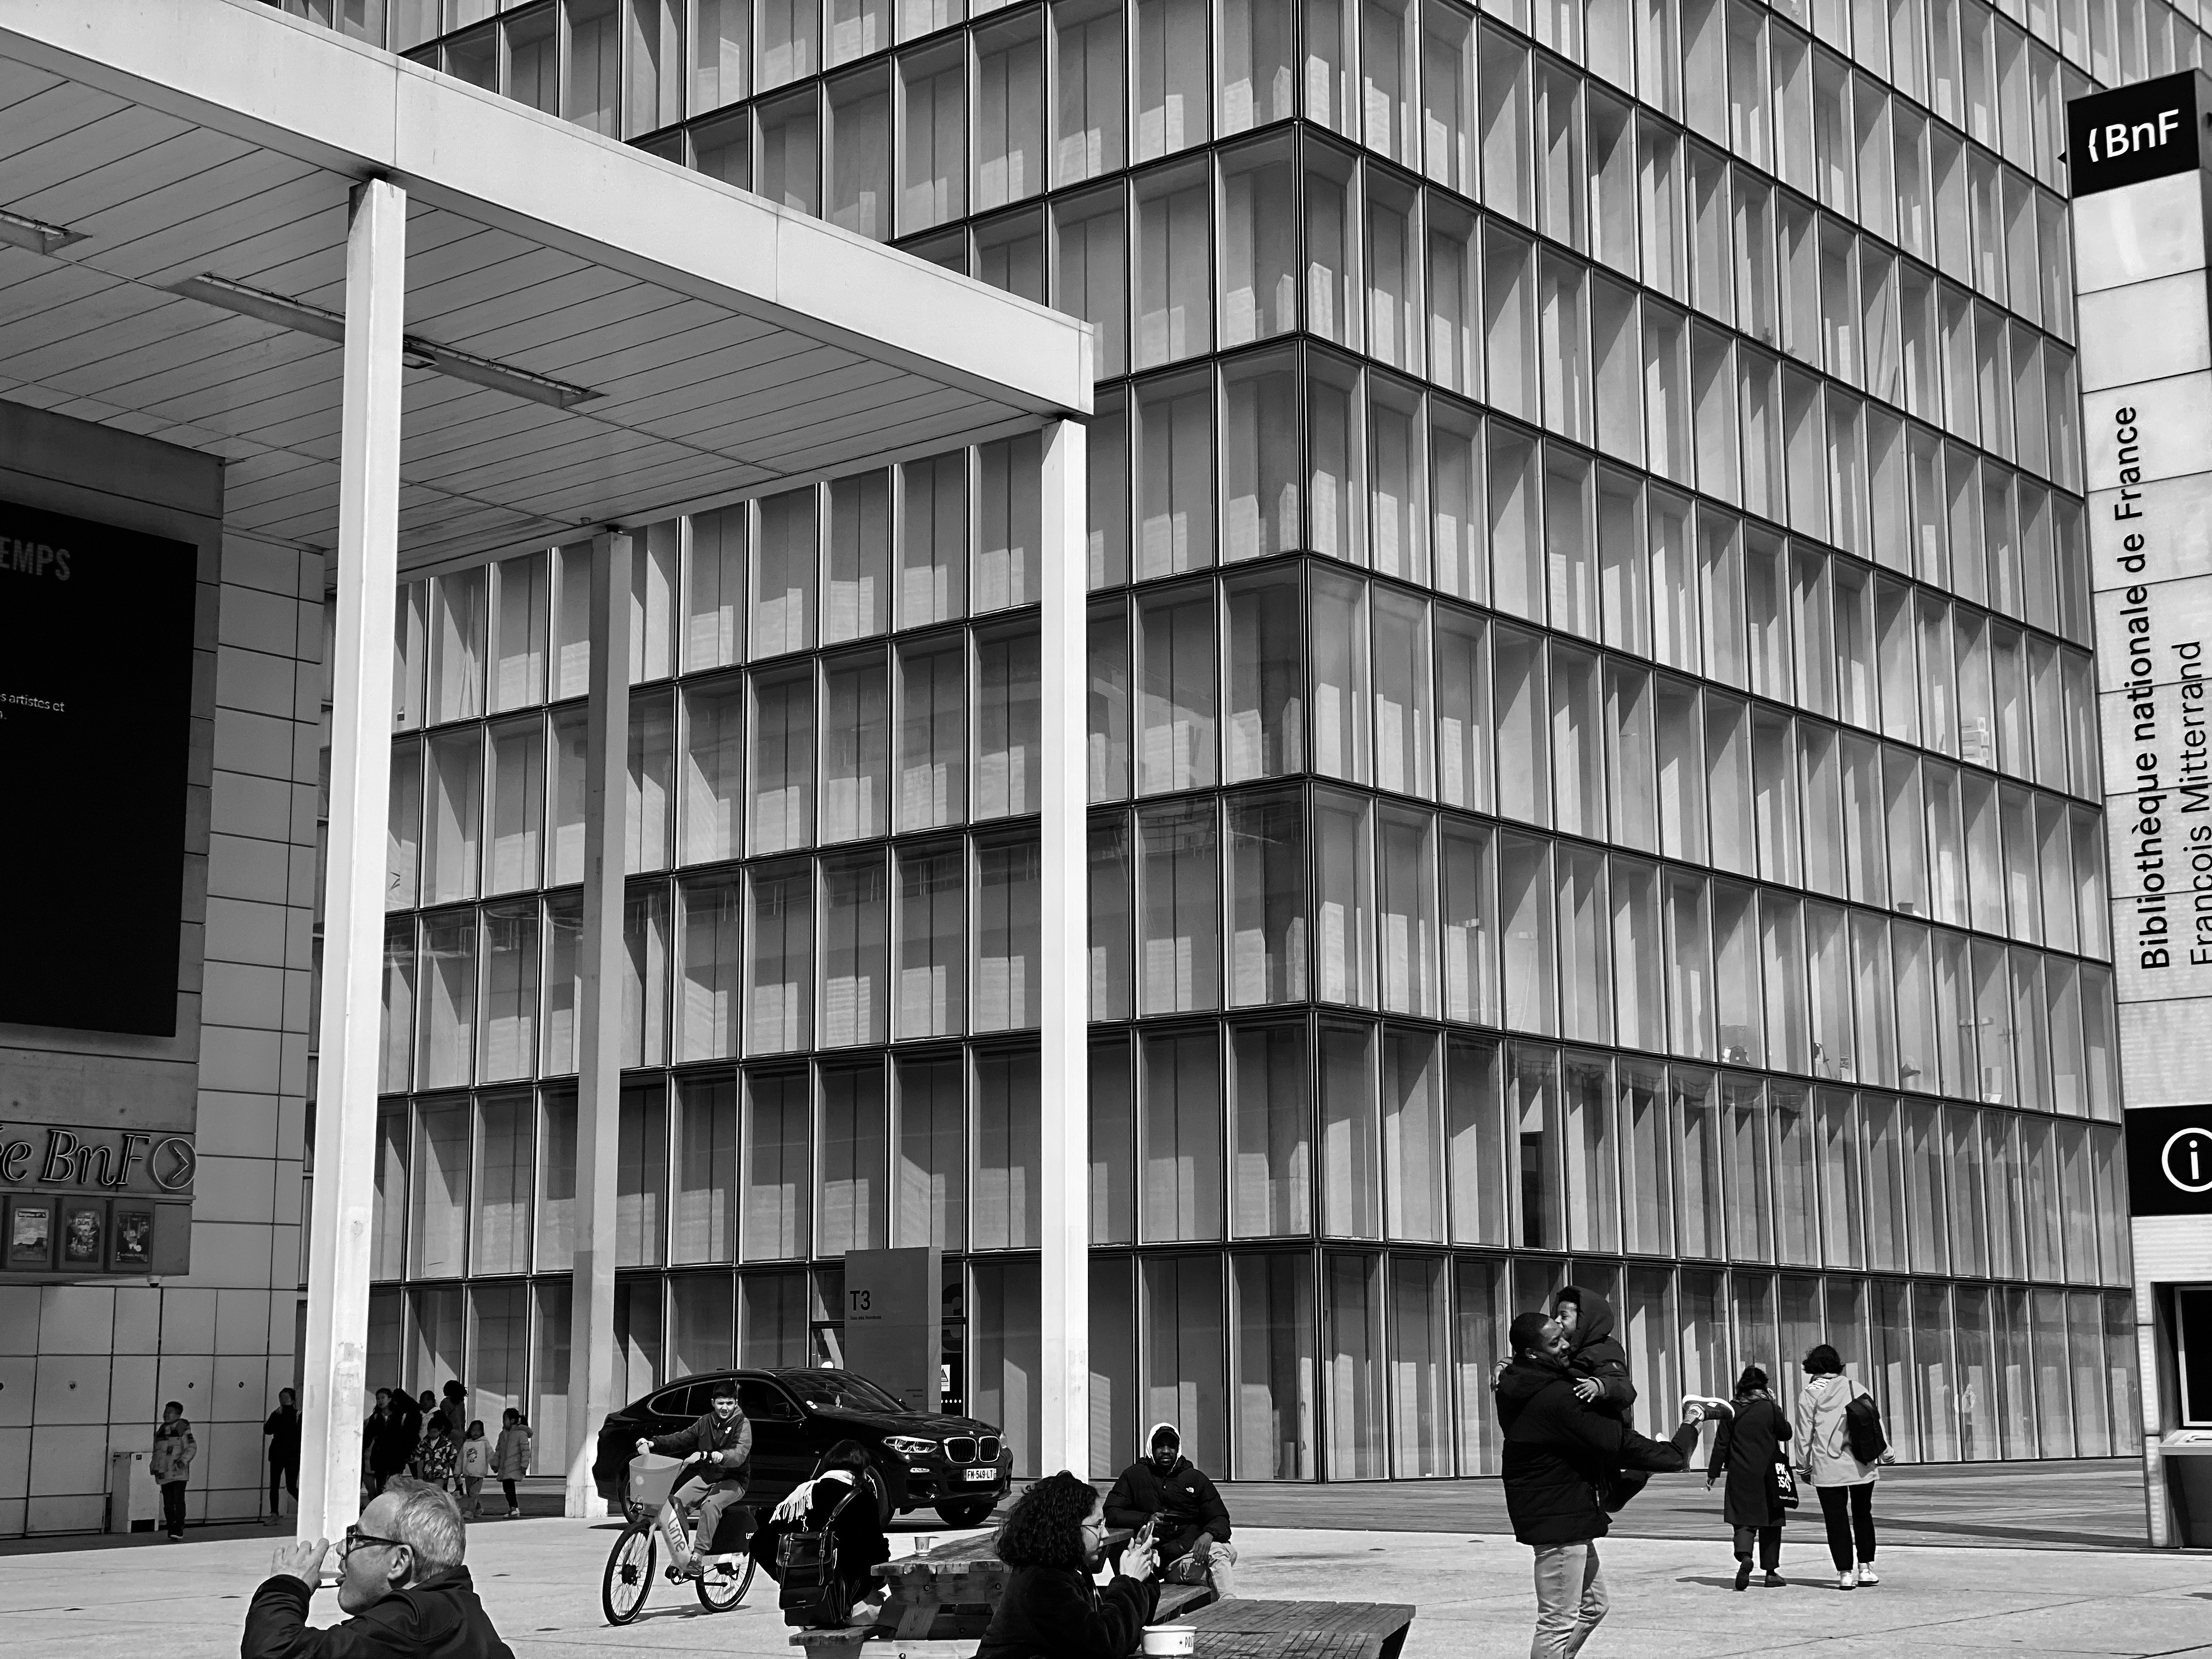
(357, 1538)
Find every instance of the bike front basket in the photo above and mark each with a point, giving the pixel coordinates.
(652, 1478)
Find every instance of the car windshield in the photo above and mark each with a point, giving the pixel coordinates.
(839, 1388)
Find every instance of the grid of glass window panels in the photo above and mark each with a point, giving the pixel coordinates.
(1584, 544)
(830, 839)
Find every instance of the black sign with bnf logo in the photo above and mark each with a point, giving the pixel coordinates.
(2133, 133)
(2170, 1160)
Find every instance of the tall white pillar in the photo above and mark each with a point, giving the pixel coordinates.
(333, 1369)
(593, 1380)
(1064, 1148)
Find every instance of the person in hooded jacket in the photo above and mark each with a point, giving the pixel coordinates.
(1746, 1448)
(1054, 1539)
(1192, 1523)
(1560, 1449)
(1593, 1352)
(1845, 1486)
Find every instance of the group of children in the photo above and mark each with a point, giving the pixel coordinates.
(461, 1466)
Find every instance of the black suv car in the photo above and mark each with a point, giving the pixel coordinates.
(957, 1465)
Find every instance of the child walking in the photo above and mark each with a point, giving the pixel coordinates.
(510, 1458)
(476, 1465)
(435, 1461)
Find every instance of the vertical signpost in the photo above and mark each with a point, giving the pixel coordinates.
(893, 1317)
(2137, 159)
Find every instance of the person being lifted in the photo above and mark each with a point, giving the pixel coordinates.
(1190, 1522)
(720, 1447)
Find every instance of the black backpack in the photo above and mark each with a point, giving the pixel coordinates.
(1862, 1430)
(813, 1593)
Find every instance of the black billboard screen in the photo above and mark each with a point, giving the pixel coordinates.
(95, 746)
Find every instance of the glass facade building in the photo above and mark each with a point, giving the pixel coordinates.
(1593, 754)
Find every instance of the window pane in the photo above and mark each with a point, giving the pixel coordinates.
(931, 1194)
(1007, 1125)
(776, 1166)
(1182, 1141)
(1179, 946)
(850, 1204)
(1272, 1127)
(1266, 899)
(855, 951)
(931, 965)
(933, 733)
(1351, 1186)
(779, 959)
(507, 1044)
(706, 1210)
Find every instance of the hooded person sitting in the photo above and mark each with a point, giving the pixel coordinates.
(1190, 1522)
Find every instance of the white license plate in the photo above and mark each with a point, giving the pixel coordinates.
(982, 1474)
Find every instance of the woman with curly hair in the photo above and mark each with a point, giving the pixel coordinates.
(1052, 1609)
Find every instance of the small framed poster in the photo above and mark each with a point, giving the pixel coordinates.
(84, 1234)
(31, 1233)
(131, 1239)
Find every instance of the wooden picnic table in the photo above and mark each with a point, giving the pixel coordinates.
(941, 1600)
(1246, 1628)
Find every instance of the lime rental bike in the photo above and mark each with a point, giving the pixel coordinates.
(650, 1505)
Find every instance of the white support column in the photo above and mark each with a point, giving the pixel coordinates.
(333, 1369)
(593, 1384)
(1064, 1154)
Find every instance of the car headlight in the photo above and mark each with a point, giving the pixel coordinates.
(907, 1446)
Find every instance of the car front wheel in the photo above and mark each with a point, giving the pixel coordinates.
(972, 1513)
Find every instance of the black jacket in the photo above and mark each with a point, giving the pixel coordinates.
(1597, 1352)
(1184, 1499)
(734, 1439)
(1745, 1449)
(438, 1619)
(393, 1437)
(859, 1529)
(1558, 1449)
(283, 1428)
(1057, 1613)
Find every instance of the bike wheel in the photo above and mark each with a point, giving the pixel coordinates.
(725, 1583)
(629, 1577)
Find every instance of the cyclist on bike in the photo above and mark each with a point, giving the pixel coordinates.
(719, 1449)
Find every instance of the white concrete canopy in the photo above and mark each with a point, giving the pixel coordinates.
(733, 344)
(425, 326)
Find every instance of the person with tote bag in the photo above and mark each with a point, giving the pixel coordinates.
(1760, 1490)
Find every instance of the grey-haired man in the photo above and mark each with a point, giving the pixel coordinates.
(400, 1577)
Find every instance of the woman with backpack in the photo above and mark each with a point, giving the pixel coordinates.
(1748, 1451)
(1844, 1446)
(837, 1534)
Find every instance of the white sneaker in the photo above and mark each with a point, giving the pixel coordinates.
(1848, 1580)
(1868, 1575)
(1710, 1405)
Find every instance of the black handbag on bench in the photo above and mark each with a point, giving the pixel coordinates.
(811, 1591)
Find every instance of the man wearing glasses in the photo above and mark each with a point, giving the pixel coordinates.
(400, 1577)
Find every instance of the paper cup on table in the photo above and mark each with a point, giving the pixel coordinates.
(1170, 1638)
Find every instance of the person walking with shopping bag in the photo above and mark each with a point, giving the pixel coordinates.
(1760, 1490)
(1845, 1445)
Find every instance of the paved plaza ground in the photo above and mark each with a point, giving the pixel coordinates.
(2045, 1559)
